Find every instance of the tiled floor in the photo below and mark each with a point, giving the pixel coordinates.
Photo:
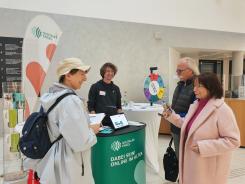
(237, 175)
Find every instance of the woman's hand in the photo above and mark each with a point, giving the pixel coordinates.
(166, 114)
(95, 127)
(167, 111)
(195, 148)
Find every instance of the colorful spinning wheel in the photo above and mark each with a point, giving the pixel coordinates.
(154, 87)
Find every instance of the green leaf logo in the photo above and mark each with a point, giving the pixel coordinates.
(36, 31)
(116, 146)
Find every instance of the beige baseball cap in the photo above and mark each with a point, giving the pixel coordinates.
(68, 64)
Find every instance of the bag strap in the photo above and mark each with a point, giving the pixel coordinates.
(171, 141)
(53, 106)
(58, 100)
(60, 137)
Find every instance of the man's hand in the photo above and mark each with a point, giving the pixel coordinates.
(119, 111)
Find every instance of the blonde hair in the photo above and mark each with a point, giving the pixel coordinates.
(191, 64)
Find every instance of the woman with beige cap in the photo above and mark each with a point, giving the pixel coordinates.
(68, 160)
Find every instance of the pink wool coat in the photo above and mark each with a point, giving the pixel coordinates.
(216, 133)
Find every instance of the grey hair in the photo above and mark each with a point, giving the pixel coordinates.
(191, 64)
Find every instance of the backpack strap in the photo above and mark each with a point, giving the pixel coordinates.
(58, 100)
(58, 138)
(53, 106)
(171, 141)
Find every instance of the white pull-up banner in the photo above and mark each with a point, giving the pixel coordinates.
(39, 44)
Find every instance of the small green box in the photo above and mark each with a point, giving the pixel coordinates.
(15, 137)
(12, 118)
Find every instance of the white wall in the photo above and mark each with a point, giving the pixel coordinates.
(222, 15)
(132, 47)
(174, 56)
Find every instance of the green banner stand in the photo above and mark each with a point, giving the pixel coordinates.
(119, 157)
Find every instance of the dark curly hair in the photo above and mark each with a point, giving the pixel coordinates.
(107, 65)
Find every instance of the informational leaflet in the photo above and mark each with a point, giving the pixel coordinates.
(10, 60)
(96, 118)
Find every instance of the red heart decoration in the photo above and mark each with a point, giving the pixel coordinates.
(36, 75)
(27, 110)
(50, 51)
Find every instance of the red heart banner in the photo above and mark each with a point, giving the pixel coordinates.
(50, 51)
(27, 109)
(36, 75)
(39, 45)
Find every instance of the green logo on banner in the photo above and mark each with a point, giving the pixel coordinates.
(37, 32)
(116, 146)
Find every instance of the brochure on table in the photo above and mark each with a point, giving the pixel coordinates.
(96, 118)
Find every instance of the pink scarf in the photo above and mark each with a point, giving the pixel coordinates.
(201, 105)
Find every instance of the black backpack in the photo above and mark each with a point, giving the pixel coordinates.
(170, 164)
(35, 141)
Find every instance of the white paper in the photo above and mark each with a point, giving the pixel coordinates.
(5, 116)
(20, 115)
(96, 118)
(18, 128)
(135, 123)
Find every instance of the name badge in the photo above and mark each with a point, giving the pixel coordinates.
(102, 93)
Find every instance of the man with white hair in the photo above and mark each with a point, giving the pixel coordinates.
(183, 95)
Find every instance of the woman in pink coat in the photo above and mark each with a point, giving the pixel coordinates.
(209, 134)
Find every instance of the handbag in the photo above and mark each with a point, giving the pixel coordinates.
(170, 164)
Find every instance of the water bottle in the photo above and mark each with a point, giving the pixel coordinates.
(125, 100)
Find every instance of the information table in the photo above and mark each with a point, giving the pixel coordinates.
(119, 157)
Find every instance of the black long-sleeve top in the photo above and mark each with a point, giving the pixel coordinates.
(104, 98)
